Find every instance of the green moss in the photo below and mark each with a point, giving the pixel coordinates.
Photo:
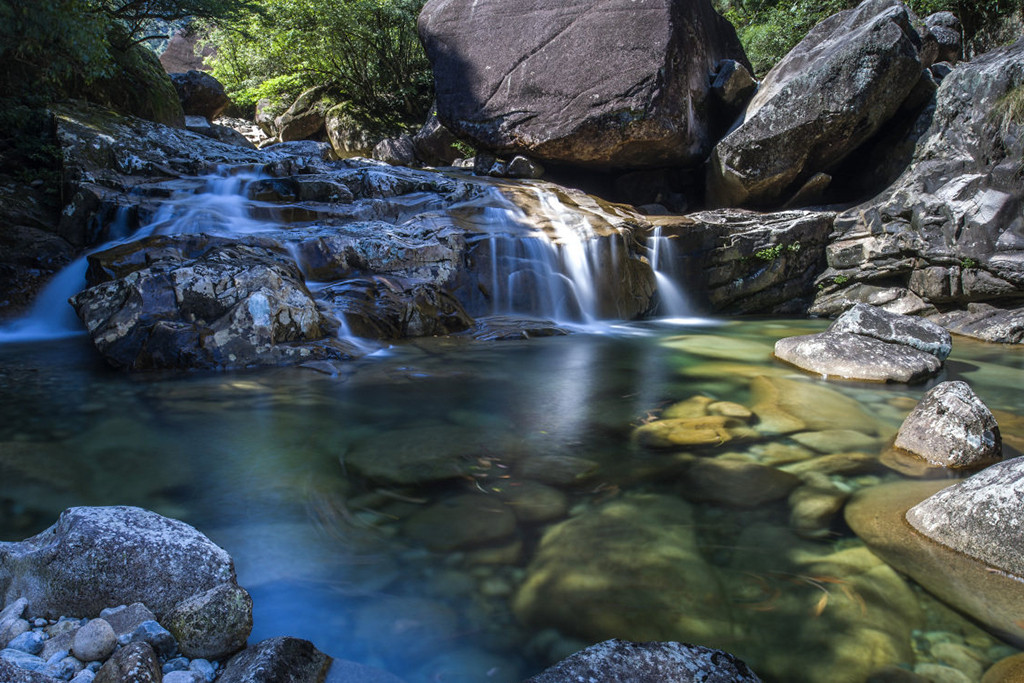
(1011, 105)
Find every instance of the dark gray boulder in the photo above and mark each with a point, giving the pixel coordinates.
(605, 85)
(201, 94)
(277, 660)
(980, 516)
(67, 569)
(830, 94)
(435, 145)
(616, 661)
(945, 240)
(951, 427)
(397, 151)
(945, 28)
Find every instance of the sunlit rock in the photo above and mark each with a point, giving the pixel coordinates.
(830, 94)
(712, 430)
(786, 405)
(951, 427)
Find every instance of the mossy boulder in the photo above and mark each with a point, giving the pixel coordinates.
(139, 87)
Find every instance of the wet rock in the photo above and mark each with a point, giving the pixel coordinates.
(461, 522)
(846, 464)
(212, 625)
(835, 440)
(951, 427)
(785, 405)
(726, 348)
(400, 630)
(830, 94)
(618, 660)
(692, 408)
(712, 430)
(66, 569)
(638, 552)
(740, 484)
(201, 94)
(94, 641)
(30, 642)
(814, 507)
(749, 262)
(557, 470)
(1006, 670)
(978, 516)
(575, 84)
(945, 234)
(277, 660)
(133, 663)
(878, 516)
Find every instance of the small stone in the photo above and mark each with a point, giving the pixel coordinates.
(159, 638)
(59, 646)
(951, 427)
(730, 409)
(183, 677)
(39, 623)
(204, 668)
(522, 167)
(176, 664)
(11, 629)
(57, 656)
(136, 662)
(94, 641)
(65, 669)
(84, 676)
(695, 406)
(23, 659)
(29, 641)
(937, 673)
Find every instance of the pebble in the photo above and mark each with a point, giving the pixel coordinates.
(159, 638)
(94, 641)
(176, 664)
(29, 641)
(23, 659)
(64, 669)
(40, 622)
(185, 676)
(85, 676)
(57, 656)
(206, 669)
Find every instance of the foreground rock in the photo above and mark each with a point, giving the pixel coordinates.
(871, 344)
(830, 94)
(576, 84)
(66, 569)
(977, 516)
(618, 660)
(951, 427)
(878, 515)
(944, 239)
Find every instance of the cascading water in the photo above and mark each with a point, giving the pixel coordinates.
(219, 207)
(673, 305)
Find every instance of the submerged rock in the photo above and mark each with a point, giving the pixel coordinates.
(461, 522)
(603, 86)
(784, 405)
(619, 660)
(830, 94)
(951, 427)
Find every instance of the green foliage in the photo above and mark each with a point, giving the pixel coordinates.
(774, 252)
(1010, 107)
(967, 263)
(366, 52)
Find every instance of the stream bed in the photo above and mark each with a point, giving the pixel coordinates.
(452, 510)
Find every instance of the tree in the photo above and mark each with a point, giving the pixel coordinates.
(366, 52)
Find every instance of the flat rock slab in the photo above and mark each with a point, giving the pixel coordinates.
(857, 357)
(980, 516)
(612, 84)
(878, 323)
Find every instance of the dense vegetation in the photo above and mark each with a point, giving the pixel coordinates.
(770, 28)
(366, 53)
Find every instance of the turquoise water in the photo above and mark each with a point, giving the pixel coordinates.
(562, 528)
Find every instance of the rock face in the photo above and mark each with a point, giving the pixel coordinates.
(945, 239)
(606, 86)
(872, 344)
(67, 569)
(979, 516)
(743, 262)
(618, 660)
(951, 427)
(829, 95)
(200, 93)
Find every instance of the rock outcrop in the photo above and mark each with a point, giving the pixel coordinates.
(951, 427)
(618, 660)
(872, 344)
(615, 85)
(945, 239)
(829, 95)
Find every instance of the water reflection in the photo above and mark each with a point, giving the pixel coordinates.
(459, 511)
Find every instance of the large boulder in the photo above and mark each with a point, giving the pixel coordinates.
(830, 94)
(201, 94)
(951, 427)
(619, 660)
(305, 118)
(69, 568)
(348, 136)
(615, 85)
(871, 344)
(945, 239)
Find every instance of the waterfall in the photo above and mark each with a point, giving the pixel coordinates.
(673, 305)
(221, 206)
